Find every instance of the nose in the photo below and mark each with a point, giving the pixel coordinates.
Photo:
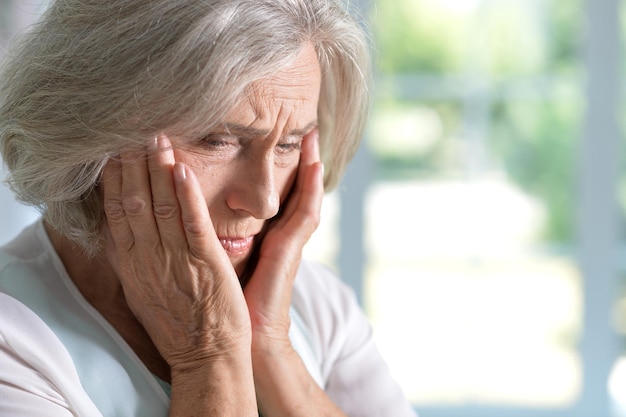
(255, 191)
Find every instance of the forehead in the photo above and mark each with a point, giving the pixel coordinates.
(295, 88)
(297, 81)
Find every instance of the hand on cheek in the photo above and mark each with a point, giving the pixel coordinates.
(268, 292)
(176, 277)
(282, 382)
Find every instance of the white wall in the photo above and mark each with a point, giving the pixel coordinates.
(20, 13)
(13, 216)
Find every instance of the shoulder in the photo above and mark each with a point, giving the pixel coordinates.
(355, 374)
(322, 298)
(24, 333)
(330, 311)
(37, 372)
(317, 284)
(24, 248)
(27, 244)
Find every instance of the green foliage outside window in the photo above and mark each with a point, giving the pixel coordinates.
(527, 53)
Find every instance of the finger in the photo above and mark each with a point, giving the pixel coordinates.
(196, 221)
(164, 201)
(137, 198)
(308, 201)
(301, 217)
(120, 234)
(268, 290)
(310, 154)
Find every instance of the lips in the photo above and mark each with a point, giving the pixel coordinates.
(236, 246)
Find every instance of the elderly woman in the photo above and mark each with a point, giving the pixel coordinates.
(176, 151)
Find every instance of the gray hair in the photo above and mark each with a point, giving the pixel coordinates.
(92, 78)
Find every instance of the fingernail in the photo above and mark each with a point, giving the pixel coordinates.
(154, 144)
(163, 142)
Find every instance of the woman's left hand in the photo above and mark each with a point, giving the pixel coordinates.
(282, 382)
(268, 291)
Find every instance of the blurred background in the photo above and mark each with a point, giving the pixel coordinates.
(481, 223)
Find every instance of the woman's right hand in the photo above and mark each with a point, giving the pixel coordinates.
(179, 282)
(177, 279)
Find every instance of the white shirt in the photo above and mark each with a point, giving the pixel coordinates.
(59, 357)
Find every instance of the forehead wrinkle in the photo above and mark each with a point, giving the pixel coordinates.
(277, 105)
(251, 132)
(292, 84)
(283, 119)
(265, 106)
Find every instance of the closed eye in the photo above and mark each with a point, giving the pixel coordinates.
(289, 144)
(218, 141)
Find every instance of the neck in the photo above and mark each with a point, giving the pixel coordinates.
(93, 275)
(97, 281)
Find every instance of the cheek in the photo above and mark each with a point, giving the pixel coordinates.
(211, 177)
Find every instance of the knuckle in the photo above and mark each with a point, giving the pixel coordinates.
(313, 215)
(311, 224)
(134, 205)
(311, 219)
(166, 211)
(113, 209)
(194, 229)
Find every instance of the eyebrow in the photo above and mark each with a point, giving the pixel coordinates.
(248, 131)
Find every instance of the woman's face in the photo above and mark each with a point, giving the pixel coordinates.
(247, 169)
